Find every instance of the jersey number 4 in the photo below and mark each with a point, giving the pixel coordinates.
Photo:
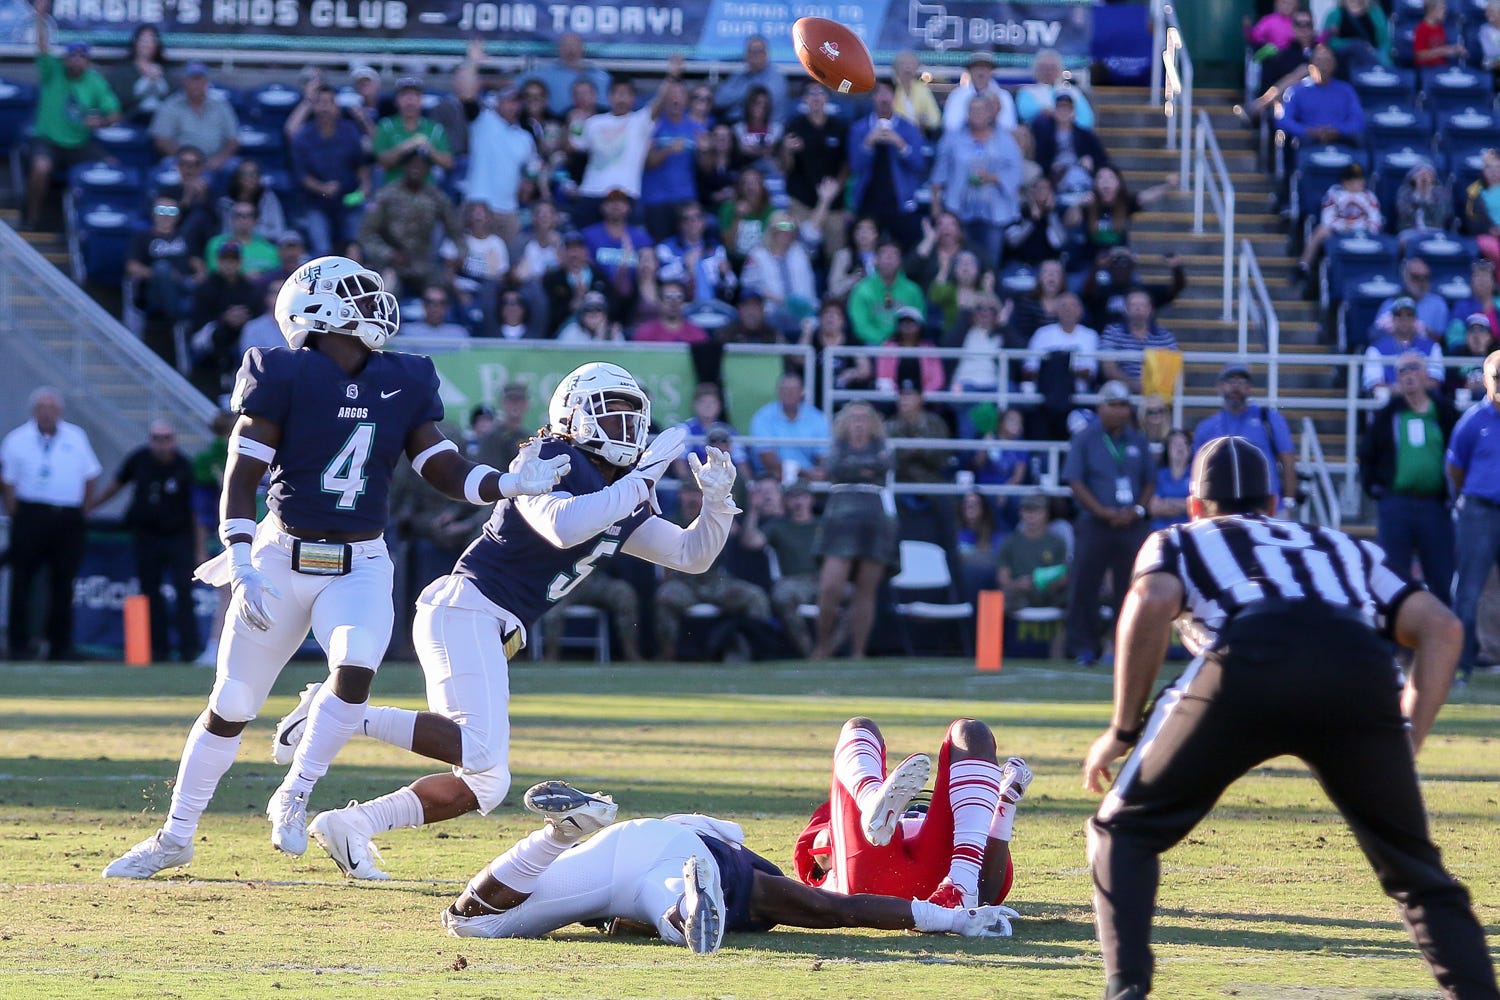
(345, 475)
(570, 578)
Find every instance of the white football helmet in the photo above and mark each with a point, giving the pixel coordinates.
(582, 398)
(336, 295)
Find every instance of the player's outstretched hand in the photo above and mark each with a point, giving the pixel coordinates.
(658, 456)
(716, 479)
(531, 476)
(252, 588)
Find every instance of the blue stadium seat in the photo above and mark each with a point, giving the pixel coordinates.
(1403, 43)
(1359, 310)
(1397, 127)
(17, 104)
(1456, 88)
(101, 183)
(1465, 171)
(1349, 261)
(271, 105)
(1467, 131)
(1318, 169)
(1447, 256)
(104, 234)
(1391, 168)
(1380, 87)
(264, 146)
(129, 144)
(1017, 279)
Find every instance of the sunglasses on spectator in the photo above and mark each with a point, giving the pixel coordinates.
(164, 437)
(672, 296)
(1156, 412)
(170, 210)
(1419, 275)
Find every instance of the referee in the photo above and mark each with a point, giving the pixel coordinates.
(1285, 621)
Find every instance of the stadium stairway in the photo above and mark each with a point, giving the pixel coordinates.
(1131, 129)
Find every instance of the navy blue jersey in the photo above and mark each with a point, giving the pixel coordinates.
(521, 571)
(341, 437)
(737, 867)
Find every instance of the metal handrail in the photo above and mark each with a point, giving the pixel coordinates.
(1173, 88)
(1220, 191)
(1256, 297)
(1325, 498)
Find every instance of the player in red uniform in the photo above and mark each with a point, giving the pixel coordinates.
(865, 840)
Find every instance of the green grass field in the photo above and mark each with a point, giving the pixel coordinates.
(1268, 899)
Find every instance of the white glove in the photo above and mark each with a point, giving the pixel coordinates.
(716, 479)
(986, 921)
(533, 476)
(655, 460)
(251, 587)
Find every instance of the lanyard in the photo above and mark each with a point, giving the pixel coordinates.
(1115, 451)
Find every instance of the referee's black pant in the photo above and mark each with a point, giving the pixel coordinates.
(1300, 684)
(1097, 549)
(169, 558)
(44, 537)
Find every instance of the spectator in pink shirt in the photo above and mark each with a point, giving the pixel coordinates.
(670, 327)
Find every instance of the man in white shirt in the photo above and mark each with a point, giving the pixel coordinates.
(617, 144)
(1070, 335)
(47, 474)
(980, 79)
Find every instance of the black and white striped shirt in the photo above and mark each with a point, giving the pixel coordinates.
(1230, 564)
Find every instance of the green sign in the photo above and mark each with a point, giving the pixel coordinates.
(666, 373)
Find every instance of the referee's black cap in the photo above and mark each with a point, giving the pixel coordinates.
(1230, 468)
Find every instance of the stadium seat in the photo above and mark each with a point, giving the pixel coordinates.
(1359, 310)
(1379, 87)
(104, 235)
(264, 146)
(1318, 169)
(1447, 256)
(128, 144)
(17, 104)
(1391, 168)
(1471, 130)
(1351, 260)
(710, 316)
(271, 105)
(1017, 279)
(924, 569)
(1456, 89)
(597, 621)
(1396, 127)
(101, 183)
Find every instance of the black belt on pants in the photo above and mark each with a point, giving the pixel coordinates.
(50, 508)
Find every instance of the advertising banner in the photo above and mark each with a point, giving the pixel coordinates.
(942, 32)
(105, 579)
(479, 375)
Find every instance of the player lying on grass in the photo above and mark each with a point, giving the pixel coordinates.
(470, 623)
(957, 853)
(688, 878)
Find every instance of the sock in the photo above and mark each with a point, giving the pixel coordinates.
(521, 866)
(330, 723)
(857, 764)
(973, 791)
(205, 758)
(399, 809)
(395, 726)
(935, 919)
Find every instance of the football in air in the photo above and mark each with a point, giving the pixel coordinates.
(833, 55)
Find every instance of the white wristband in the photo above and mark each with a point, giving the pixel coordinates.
(239, 556)
(231, 526)
(421, 460)
(258, 450)
(476, 477)
(1002, 824)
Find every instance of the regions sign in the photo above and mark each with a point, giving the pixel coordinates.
(705, 32)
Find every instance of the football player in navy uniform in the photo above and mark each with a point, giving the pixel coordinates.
(532, 552)
(329, 416)
(688, 878)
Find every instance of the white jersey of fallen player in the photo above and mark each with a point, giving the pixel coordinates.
(631, 870)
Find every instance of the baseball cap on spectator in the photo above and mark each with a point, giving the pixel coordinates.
(593, 302)
(1478, 319)
(194, 69)
(76, 49)
(515, 390)
(1404, 302)
(797, 486)
(981, 58)
(408, 83)
(910, 385)
(751, 295)
(1235, 369)
(1034, 501)
(290, 238)
(480, 411)
(229, 250)
(1062, 96)
(909, 312)
(1114, 391)
(359, 73)
(719, 433)
(574, 238)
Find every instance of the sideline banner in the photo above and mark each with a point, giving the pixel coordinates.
(105, 579)
(479, 375)
(942, 32)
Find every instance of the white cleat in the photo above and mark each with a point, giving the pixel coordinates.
(572, 813)
(287, 812)
(702, 905)
(1015, 778)
(155, 853)
(292, 725)
(900, 786)
(345, 835)
(987, 921)
(486, 925)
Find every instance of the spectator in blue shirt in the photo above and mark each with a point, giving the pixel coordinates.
(789, 415)
(1322, 108)
(329, 160)
(670, 180)
(1168, 504)
(613, 241)
(558, 77)
(978, 178)
(1260, 425)
(888, 164)
(1474, 470)
(1405, 335)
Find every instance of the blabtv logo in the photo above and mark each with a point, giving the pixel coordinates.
(940, 30)
(830, 49)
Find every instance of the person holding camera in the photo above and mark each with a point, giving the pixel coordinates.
(888, 165)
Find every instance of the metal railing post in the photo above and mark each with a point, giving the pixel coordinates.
(1200, 178)
(1244, 291)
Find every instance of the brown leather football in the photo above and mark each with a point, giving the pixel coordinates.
(834, 56)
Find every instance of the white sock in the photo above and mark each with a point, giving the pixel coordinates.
(395, 726)
(973, 792)
(330, 723)
(521, 866)
(205, 758)
(399, 809)
(856, 764)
